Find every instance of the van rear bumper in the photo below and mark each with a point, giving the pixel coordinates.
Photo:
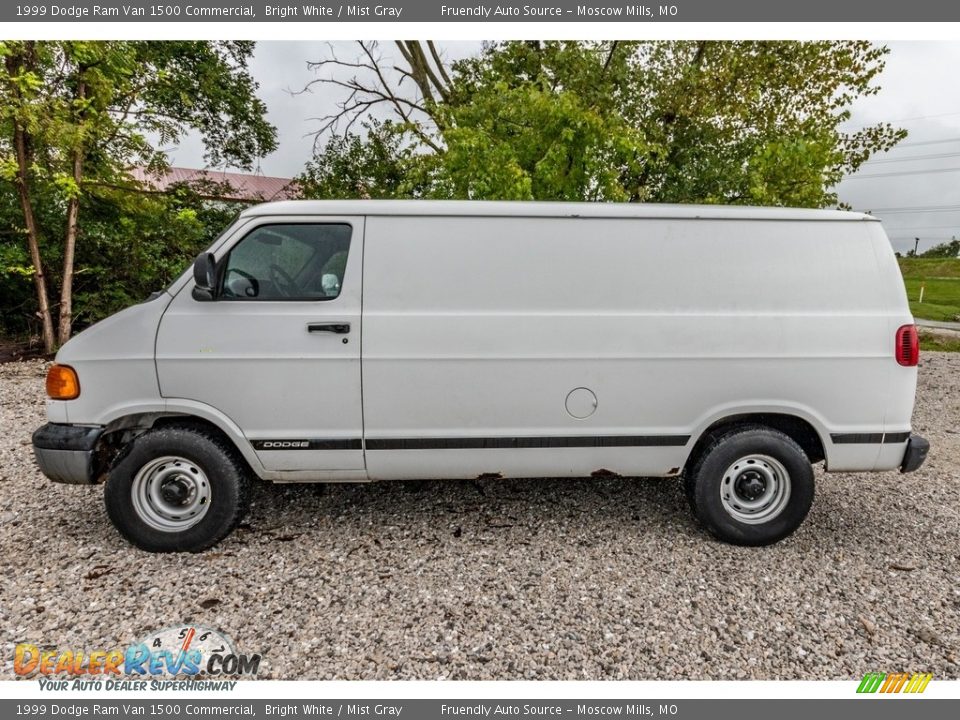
(65, 453)
(916, 453)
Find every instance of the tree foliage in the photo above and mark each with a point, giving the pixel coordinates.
(677, 121)
(377, 166)
(75, 117)
(948, 249)
(133, 243)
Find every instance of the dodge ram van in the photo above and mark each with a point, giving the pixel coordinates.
(351, 341)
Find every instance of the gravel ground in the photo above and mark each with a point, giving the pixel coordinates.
(566, 579)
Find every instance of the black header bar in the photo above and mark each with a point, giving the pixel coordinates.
(571, 11)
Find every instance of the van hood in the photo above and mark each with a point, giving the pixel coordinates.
(127, 335)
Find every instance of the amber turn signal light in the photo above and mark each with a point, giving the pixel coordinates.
(62, 383)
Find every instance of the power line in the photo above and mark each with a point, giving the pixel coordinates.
(922, 239)
(935, 171)
(915, 209)
(925, 117)
(918, 143)
(910, 228)
(933, 156)
(914, 119)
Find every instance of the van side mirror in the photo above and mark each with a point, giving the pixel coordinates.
(205, 277)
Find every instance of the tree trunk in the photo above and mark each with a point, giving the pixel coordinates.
(21, 147)
(33, 239)
(70, 239)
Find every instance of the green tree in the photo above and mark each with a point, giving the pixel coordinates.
(133, 243)
(376, 166)
(75, 116)
(677, 121)
(949, 249)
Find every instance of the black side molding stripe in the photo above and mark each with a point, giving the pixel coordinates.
(868, 438)
(509, 443)
(307, 444)
(857, 438)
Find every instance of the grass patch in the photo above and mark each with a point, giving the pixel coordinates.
(941, 295)
(921, 268)
(939, 342)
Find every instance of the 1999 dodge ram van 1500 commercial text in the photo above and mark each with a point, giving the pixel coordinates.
(337, 341)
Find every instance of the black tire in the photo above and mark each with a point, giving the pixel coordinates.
(707, 475)
(222, 468)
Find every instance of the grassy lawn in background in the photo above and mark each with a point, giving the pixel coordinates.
(941, 296)
(939, 342)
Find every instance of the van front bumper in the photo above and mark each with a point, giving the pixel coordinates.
(65, 453)
(917, 449)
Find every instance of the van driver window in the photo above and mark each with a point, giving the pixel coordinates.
(288, 262)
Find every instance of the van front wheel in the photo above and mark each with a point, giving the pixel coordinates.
(751, 486)
(177, 490)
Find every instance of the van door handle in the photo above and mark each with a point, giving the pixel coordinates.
(337, 328)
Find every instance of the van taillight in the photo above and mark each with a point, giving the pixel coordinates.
(907, 349)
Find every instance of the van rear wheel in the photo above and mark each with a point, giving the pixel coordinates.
(751, 486)
(177, 490)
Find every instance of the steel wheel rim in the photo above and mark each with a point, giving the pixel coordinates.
(171, 493)
(755, 489)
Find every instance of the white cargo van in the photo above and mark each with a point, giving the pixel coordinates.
(347, 341)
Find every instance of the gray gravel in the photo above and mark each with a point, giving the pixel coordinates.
(583, 579)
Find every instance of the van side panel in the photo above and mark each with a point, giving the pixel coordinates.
(476, 330)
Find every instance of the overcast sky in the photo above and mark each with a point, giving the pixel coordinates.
(919, 93)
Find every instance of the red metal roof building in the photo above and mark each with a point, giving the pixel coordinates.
(221, 185)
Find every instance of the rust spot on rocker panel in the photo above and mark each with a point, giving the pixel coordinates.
(604, 473)
(673, 471)
(490, 476)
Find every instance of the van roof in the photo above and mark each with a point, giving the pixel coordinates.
(488, 208)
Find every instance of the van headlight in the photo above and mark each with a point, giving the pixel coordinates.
(62, 383)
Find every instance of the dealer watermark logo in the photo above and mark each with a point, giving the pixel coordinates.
(894, 683)
(190, 651)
